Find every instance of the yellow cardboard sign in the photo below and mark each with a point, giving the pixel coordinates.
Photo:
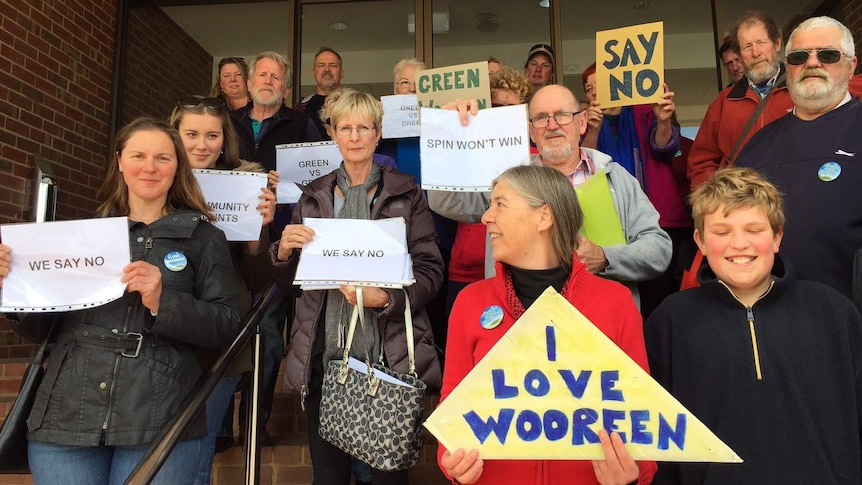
(602, 223)
(436, 87)
(548, 386)
(630, 65)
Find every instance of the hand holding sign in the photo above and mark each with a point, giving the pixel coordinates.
(146, 279)
(463, 107)
(630, 65)
(5, 259)
(294, 236)
(267, 205)
(462, 466)
(618, 465)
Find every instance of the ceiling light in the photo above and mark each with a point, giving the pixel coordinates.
(487, 22)
(338, 25)
(642, 4)
(440, 22)
(545, 3)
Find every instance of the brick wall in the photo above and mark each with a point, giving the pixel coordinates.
(56, 63)
(853, 21)
(55, 91)
(163, 64)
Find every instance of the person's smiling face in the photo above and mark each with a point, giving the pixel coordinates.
(203, 139)
(149, 164)
(740, 247)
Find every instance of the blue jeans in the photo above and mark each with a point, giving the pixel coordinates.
(217, 405)
(107, 465)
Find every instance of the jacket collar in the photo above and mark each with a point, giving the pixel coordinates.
(782, 273)
(394, 183)
(180, 224)
(740, 89)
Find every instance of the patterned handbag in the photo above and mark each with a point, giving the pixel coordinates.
(372, 412)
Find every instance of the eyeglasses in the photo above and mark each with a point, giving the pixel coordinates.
(363, 131)
(404, 83)
(561, 117)
(825, 56)
(191, 102)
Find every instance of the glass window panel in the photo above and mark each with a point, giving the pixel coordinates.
(374, 38)
(478, 29)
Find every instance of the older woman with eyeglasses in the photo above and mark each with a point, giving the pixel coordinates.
(358, 189)
(231, 83)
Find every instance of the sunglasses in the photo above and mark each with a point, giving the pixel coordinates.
(190, 102)
(825, 56)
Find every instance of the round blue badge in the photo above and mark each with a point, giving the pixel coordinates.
(176, 261)
(829, 171)
(491, 317)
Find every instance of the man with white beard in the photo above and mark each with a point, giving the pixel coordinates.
(811, 154)
(261, 126)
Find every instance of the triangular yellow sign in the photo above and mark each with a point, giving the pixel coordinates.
(548, 386)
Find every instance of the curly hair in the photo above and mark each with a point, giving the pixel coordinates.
(512, 80)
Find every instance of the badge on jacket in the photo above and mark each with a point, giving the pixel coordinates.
(491, 317)
(176, 261)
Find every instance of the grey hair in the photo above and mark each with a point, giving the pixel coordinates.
(547, 186)
(278, 58)
(848, 47)
(404, 63)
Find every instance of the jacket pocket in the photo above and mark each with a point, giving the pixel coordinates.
(173, 373)
(52, 387)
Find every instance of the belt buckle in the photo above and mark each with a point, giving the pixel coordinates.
(140, 338)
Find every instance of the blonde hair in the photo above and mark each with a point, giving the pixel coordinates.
(184, 193)
(229, 157)
(737, 188)
(352, 101)
(512, 80)
(546, 186)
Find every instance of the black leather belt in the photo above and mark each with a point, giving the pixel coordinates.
(126, 344)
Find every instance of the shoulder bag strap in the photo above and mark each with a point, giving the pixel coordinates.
(408, 329)
(728, 162)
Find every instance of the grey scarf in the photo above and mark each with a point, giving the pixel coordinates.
(338, 310)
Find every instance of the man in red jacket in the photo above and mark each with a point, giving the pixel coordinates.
(759, 47)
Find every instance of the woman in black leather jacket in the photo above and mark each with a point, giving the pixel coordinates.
(120, 371)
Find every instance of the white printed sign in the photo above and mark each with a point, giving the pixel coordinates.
(400, 116)
(233, 197)
(469, 158)
(67, 265)
(355, 252)
(301, 163)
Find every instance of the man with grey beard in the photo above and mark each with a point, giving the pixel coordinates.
(556, 126)
(266, 122)
(811, 154)
(261, 126)
(759, 46)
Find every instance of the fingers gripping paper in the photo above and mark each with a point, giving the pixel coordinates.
(550, 384)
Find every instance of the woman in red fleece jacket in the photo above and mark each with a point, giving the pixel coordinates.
(533, 221)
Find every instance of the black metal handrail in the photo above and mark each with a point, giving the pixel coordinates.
(152, 462)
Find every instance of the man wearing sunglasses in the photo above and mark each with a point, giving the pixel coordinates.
(814, 154)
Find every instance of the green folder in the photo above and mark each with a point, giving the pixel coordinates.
(601, 221)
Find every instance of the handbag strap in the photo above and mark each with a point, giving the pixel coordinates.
(359, 314)
(728, 162)
(408, 330)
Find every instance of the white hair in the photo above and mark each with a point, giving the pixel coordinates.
(847, 45)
